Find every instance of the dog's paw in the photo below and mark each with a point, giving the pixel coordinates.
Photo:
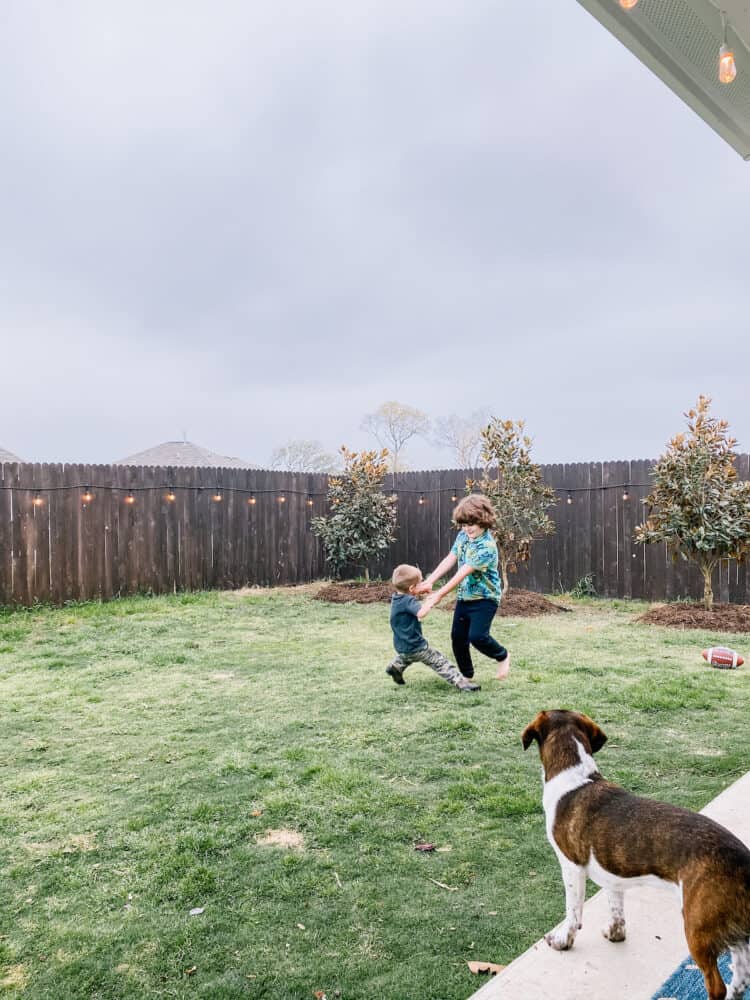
(561, 939)
(614, 931)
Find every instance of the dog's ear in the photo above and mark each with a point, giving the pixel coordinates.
(597, 736)
(533, 732)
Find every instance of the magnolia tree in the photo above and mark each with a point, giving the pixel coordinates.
(362, 522)
(514, 485)
(696, 505)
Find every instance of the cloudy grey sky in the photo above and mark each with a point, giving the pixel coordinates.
(255, 222)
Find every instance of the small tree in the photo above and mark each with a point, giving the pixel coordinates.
(696, 505)
(392, 425)
(463, 436)
(362, 522)
(514, 485)
(303, 456)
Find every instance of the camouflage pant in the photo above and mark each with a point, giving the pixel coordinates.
(434, 659)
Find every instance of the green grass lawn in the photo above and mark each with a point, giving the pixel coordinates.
(148, 746)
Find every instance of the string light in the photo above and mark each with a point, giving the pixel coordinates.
(252, 497)
(627, 4)
(727, 65)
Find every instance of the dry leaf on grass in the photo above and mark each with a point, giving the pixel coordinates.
(421, 846)
(191, 971)
(491, 967)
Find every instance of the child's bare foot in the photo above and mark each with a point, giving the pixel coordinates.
(503, 669)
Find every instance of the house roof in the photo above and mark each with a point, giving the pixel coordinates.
(184, 453)
(8, 456)
(679, 40)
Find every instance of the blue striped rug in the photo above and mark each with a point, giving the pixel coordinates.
(686, 982)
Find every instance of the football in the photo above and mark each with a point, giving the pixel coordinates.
(723, 658)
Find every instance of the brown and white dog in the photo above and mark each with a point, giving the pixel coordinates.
(619, 840)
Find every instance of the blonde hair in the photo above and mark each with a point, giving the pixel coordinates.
(475, 509)
(405, 576)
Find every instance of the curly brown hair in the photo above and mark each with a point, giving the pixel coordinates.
(475, 509)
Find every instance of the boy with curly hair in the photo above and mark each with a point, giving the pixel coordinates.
(474, 552)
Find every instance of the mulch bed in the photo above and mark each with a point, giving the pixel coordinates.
(721, 618)
(515, 604)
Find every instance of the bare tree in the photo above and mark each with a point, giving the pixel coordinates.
(304, 456)
(393, 424)
(462, 436)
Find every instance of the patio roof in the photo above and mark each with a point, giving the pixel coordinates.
(679, 40)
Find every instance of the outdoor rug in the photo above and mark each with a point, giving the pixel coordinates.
(686, 983)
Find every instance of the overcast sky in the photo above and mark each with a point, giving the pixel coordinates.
(256, 222)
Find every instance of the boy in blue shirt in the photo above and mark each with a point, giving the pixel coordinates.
(410, 645)
(478, 582)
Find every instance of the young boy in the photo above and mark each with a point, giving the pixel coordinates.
(410, 645)
(478, 582)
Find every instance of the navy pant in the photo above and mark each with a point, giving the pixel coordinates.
(471, 627)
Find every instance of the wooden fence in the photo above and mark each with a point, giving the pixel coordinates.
(58, 546)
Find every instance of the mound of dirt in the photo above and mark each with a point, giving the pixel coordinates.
(357, 593)
(527, 604)
(515, 604)
(721, 618)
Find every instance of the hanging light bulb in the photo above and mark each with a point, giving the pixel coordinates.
(727, 65)
(394, 497)
(217, 497)
(454, 497)
(626, 493)
(130, 498)
(87, 496)
(170, 494)
(37, 501)
(421, 499)
(309, 500)
(570, 497)
(251, 500)
(627, 4)
(282, 498)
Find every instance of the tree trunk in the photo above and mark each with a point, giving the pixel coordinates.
(504, 574)
(367, 574)
(707, 570)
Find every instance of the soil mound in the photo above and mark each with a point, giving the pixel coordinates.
(515, 604)
(721, 618)
(527, 604)
(357, 593)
